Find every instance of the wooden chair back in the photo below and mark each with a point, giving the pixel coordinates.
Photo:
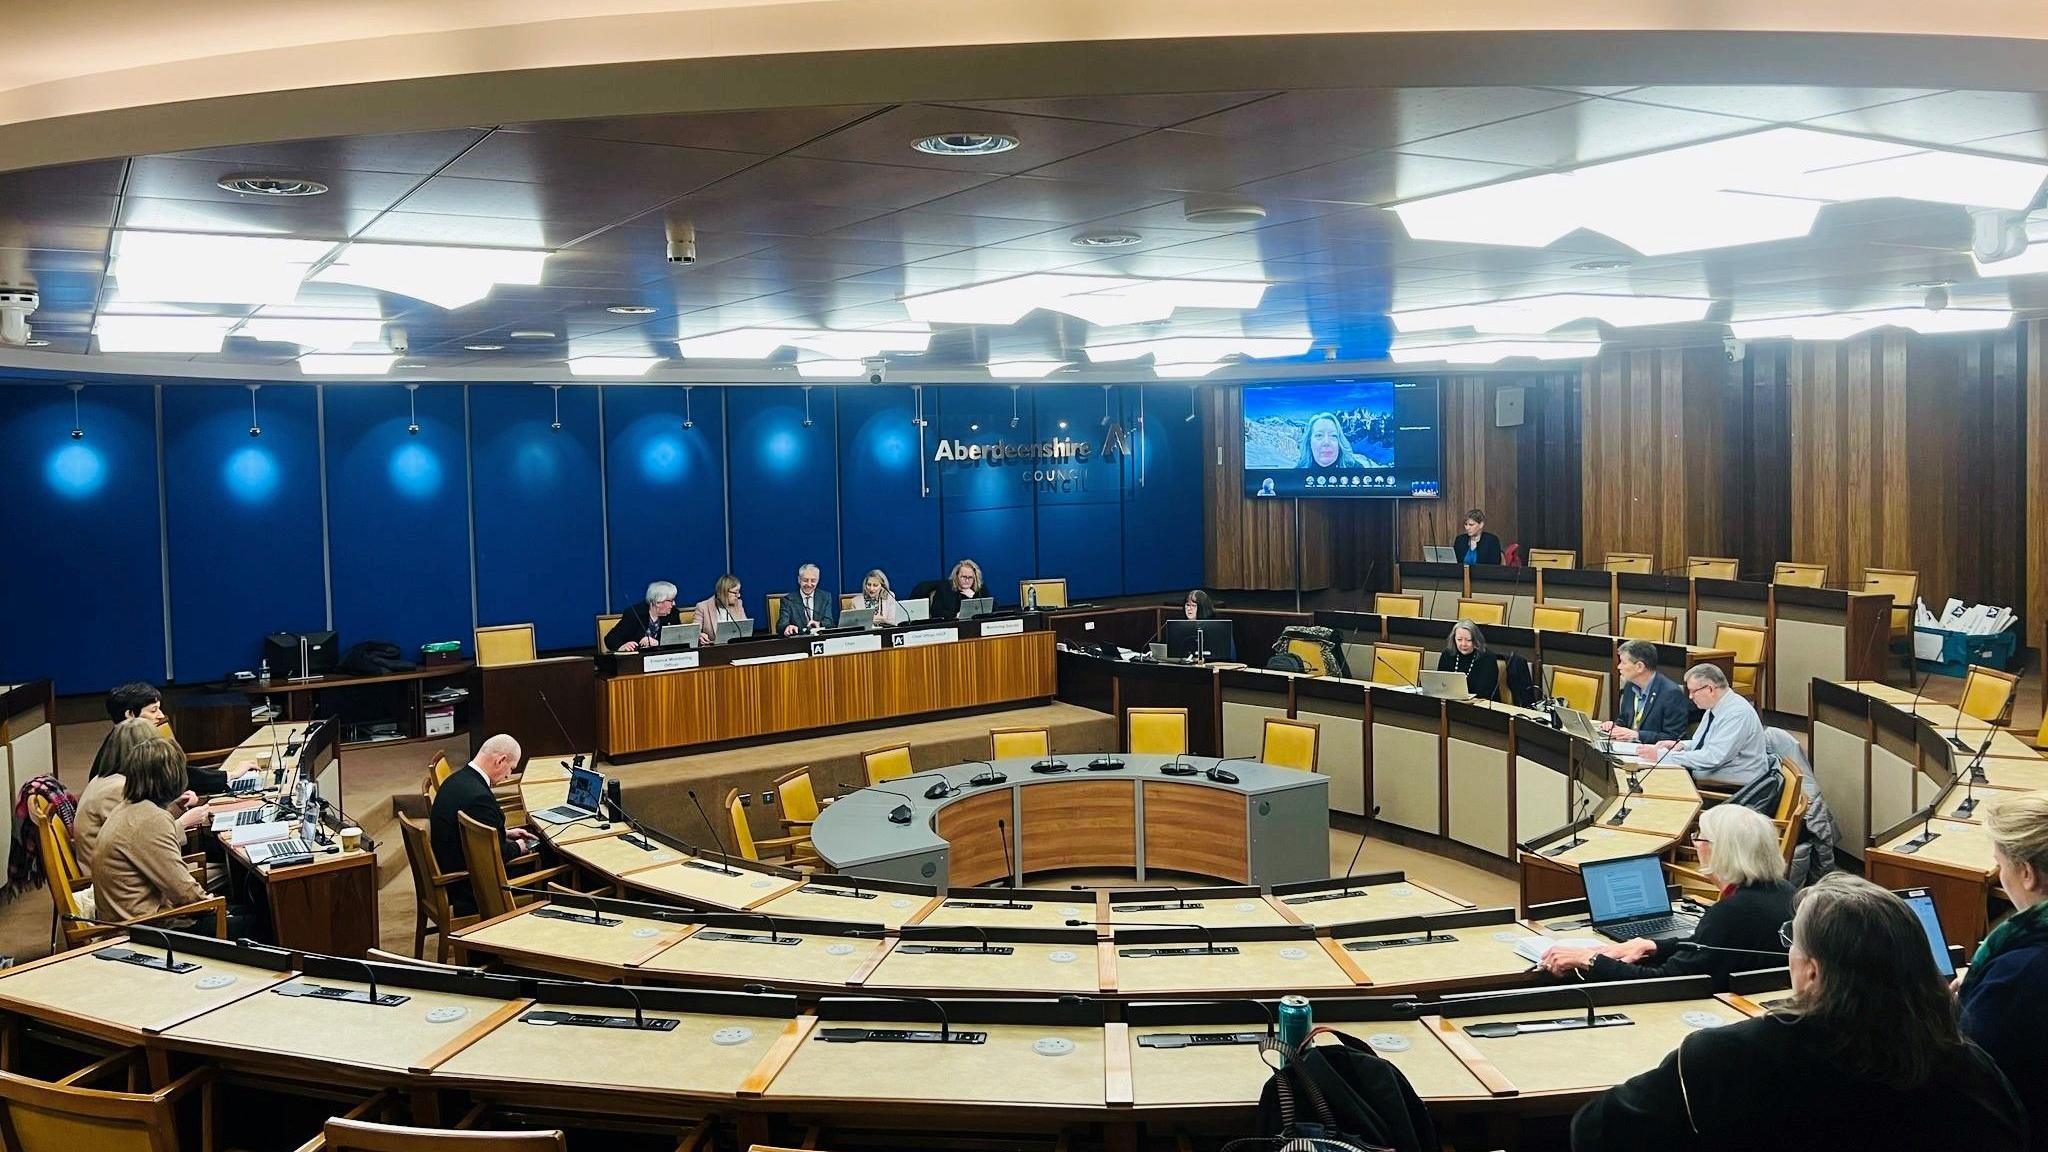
(1052, 591)
(1987, 693)
(502, 644)
(1007, 743)
(1655, 627)
(1747, 641)
(1904, 585)
(885, 764)
(797, 796)
(58, 854)
(1558, 617)
(1712, 567)
(483, 853)
(1158, 731)
(54, 840)
(1290, 743)
(1640, 562)
(1484, 611)
(605, 621)
(342, 1135)
(1791, 814)
(1799, 575)
(65, 1116)
(1397, 604)
(1577, 687)
(1396, 664)
(433, 909)
(742, 828)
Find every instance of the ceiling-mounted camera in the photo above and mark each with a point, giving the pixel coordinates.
(682, 242)
(877, 368)
(15, 306)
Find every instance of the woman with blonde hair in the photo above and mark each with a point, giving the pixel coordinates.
(1739, 847)
(2005, 995)
(962, 584)
(875, 593)
(723, 606)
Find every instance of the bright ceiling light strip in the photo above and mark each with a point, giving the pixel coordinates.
(829, 368)
(1200, 349)
(1842, 325)
(612, 365)
(196, 268)
(443, 276)
(326, 335)
(1183, 371)
(1100, 300)
(829, 343)
(1543, 313)
(1744, 189)
(167, 334)
(1024, 369)
(1489, 351)
(345, 364)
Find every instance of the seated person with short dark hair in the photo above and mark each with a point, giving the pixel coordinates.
(144, 701)
(1653, 706)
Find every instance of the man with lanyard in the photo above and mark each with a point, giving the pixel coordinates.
(1653, 706)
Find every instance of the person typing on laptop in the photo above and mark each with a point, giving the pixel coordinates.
(1465, 651)
(467, 791)
(1653, 706)
(1728, 750)
(723, 606)
(1739, 847)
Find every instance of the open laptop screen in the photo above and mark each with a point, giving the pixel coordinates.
(1625, 889)
(586, 789)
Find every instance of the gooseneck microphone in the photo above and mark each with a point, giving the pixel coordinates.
(1009, 857)
(724, 859)
(567, 741)
(1209, 946)
(1975, 774)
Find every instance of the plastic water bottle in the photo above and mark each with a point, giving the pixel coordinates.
(263, 670)
(1031, 598)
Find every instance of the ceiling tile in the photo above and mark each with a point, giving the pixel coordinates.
(1778, 103)
(879, 187)
(1381, 178)
(419, 153)
(1581, 134)
(1948, 117)
(162, 177)
(478, 231)
(312, 220)
(1325, 123)
(1054, 201)
(763, 132)
(511, 200)
(1187, 161)
(1149, 111)
(918, 226)
(653, 172)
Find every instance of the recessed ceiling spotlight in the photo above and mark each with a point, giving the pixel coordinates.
(1924, 285)
(964, 144)
(1600, 265)
(1107, 239)
(271, 185)
(1222, 210)
(631, 309)
(532, 334)
(485, 347)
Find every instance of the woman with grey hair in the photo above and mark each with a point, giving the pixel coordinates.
(1465, 651)
(875, 593)
(640, 625)
(1738, 847)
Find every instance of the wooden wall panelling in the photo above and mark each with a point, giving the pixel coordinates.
(1250, 542)
(1526, 478)
(1653, 462)
(1756, 509)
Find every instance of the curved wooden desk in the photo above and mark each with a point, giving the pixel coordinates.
(1270, 826)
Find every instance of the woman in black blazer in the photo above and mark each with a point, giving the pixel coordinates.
(1866, 1054)
(640, 625)
(1739, 847)
(963, 583)
(1476, 545)
(1465, 651)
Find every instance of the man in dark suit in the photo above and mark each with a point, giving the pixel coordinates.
(808, 608)
(1653, 706)
(467, 791)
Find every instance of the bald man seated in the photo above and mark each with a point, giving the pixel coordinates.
(467, 791)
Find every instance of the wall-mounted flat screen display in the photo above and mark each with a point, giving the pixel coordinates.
(1346, 438)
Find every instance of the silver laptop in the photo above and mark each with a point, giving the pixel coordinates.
(857, 618)
(585, 799)
(1445, 685)
(734, 630)
(979, 606)
(1439, 554)
(1579, 724)
(680, 636)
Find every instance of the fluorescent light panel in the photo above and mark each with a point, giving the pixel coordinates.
(1543, 313)
(167, 334)
(345, 364)
(1842, 325)
(1745, 189)
(1199, 349)
(193, 268)
(1489, 351)
(446, 277)
(1100, 300)
(829, 368)
(326, 335)
(830, 343)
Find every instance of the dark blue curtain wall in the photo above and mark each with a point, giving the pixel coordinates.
(165, 541)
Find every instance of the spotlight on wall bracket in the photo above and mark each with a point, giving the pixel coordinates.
(688, 422)
(255, 425)
(412, 403)
(77, 426)
(557, 425)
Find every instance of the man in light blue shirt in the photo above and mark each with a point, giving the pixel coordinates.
(1728, 748)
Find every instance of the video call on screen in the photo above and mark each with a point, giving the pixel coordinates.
(1342, 438)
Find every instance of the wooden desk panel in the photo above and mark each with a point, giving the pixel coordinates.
(1234, 1074)
(1476, 955)
(1030, 968)
(889, 909)
(611, 855)
(1005, 1070)
(584, 949)
(666, 710)
(396, 1039)
(701, 887)
(1651, 814)
(974, 853)
(1376, 902)
(684, 1060)
(1192, 828)
(815, 959)
(1230, 912)
(1294, 964)
(1032, 914)
(123, 996)
(1075, 824)
(1588, 1059)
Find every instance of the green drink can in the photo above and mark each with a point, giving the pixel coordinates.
(1296, 1018)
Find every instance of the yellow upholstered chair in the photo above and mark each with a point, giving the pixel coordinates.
(686, 615)
(504, 644)
(1905, 589)
(1558, 617)
(1629, 562)
(1553, 558)
(433, 908)
(848, 600)
(1652, 626)
(1396, 664)
(1012, 743)
(883, 764)
(1311, 654)
(1987, 694)
(798, 797)
(70, 893)
(1799, 575)
(483, 855)
(1159, 731)
(1397, 604)
(775, 612)
(1712, 567)
(1290, 743)
(1484, 611)
(1747, 642)
(605, 620)
(1052, 591)
(1577, 687)
(790, 851)
(67, 1116)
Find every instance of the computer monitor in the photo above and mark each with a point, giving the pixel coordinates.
(729, 630)
(979, 606)
(323, 652)
(919, 608)
(1921, 901)
(1213, 639)
(1625, 889)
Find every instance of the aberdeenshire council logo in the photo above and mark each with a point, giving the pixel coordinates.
(1049, 465)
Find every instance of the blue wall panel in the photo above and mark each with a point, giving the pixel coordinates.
(397, 515)
(1163, 518)
(1080, 513)
(539, 515)
(884, 520)
(785, 496)
(665, 487)
(244, 521)
(987, 506)
(83, 574)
